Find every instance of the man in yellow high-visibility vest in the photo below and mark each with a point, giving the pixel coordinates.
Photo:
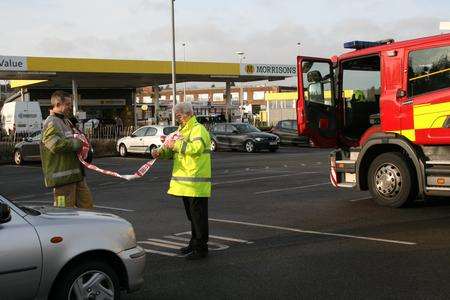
(191, 176)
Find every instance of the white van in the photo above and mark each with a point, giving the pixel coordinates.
(21, 117)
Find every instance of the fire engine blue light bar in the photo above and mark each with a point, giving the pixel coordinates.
(360, 44)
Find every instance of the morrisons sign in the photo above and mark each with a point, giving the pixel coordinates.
(268, 70)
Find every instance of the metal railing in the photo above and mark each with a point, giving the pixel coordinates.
(108, 132)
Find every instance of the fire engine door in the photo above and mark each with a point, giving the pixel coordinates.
(316, 110)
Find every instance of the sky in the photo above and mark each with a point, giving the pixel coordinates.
(267, 31)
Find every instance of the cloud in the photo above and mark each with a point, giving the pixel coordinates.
(145, 6)
(267, 31)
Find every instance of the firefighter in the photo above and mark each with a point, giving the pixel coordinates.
(191, 176)
(60, 165)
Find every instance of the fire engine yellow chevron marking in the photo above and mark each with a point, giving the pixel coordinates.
(410, 134)
(431, 115)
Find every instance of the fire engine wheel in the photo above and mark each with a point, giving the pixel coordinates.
(391, 180)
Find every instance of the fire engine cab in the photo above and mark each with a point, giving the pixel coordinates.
(385, 107)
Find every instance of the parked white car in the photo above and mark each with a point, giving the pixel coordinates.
(144, 139)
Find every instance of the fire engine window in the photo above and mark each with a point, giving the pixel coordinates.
(360, 94)
(317, 82)
(428, 70)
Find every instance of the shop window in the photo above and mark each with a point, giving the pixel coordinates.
(218, 97)
(258, 95)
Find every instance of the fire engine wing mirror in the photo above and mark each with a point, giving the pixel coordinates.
(401, 94)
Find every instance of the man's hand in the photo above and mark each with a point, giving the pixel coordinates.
(155, 153)
(169, 144)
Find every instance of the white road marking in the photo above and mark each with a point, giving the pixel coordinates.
(108, 183)
(32, 196)
(229, 239)
(32, 201)
(260, 178)
(164, 245)
(162, 253)
(225, 176)
(314, 232)
(168, 242)
(177, 237)
(114, 208)
(361, 199)
(95, 206)
(291, 188)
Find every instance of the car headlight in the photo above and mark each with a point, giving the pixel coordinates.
(258, 139)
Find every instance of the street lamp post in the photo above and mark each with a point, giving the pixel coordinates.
(184, 55)
(298, 48)
(174, 78)
(241, 56)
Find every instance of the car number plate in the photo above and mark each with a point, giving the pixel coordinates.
(273, 143)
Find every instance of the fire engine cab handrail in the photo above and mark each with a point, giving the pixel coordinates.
(438, 162)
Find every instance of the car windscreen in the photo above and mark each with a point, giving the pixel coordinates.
(246, 128)
(169, 130)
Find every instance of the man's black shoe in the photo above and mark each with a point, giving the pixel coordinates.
(195, 255)
(186, 250)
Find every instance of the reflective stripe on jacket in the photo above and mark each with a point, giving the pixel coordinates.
(60, 164)
(191, 173)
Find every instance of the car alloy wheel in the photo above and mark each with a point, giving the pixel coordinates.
(92, 285)
(123, 150)
(249, 146)
(18, 157)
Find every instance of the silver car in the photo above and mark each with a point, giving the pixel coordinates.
(58, 253)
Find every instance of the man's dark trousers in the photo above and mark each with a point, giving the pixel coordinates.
(197, 213)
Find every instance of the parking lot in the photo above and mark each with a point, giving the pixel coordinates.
(278, 230)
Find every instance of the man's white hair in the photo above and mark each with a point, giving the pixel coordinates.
(184, 108)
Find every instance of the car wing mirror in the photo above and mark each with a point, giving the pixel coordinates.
(5, 213)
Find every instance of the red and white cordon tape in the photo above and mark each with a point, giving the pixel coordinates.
(83, 153)
(333, 175)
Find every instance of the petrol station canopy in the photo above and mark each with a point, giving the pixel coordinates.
(52, 72)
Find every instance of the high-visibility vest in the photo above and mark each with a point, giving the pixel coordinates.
(191, 173)
(60, 164)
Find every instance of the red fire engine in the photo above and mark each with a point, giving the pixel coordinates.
(385, 107)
